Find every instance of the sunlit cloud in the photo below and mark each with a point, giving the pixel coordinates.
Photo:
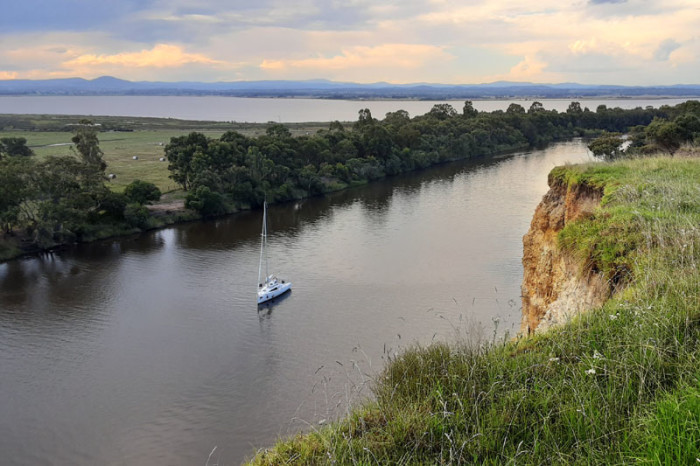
(160, 56)
(403, 56)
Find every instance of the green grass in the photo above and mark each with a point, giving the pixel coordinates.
(616, 385)
(144, 137)
(119, 149)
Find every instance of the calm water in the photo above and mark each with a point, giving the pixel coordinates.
(150, 350)
(263, 110)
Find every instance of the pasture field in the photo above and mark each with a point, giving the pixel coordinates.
(123, 138)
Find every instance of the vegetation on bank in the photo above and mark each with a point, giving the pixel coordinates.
(52, 200)
(620, 384)
(235, 171)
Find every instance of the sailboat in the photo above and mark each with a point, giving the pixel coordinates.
(272, 286)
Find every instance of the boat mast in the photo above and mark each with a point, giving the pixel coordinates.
(263, 244)
(267, 274)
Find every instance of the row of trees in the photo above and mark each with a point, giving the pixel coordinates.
(65, 199)
(238, 170)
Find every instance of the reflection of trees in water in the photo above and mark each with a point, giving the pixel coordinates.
(69, 282)
(50, 284)
(15, 278)
(290, 218)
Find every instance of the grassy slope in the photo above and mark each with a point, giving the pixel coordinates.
(620, 384)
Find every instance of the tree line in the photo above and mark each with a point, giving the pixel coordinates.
(238, 171)
(66, 199)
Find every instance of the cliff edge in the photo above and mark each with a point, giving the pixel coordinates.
(556, 285)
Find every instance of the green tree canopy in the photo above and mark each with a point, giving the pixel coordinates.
(88, 145)
(142, 192)
(14, 147)
(608, 145)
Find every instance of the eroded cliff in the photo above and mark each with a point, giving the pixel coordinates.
(556, 285)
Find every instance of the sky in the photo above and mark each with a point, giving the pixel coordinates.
(626, 42)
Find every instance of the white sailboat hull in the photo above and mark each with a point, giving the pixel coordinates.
(271, 291)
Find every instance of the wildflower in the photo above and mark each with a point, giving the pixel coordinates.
(590, 371)
(553, 359)
(597, 355)
(613, 316)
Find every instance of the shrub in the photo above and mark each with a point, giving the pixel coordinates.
(142, 192)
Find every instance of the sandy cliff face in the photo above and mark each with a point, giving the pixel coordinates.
(555, 285)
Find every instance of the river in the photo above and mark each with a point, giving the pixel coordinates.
(255, 110)
(151, 350)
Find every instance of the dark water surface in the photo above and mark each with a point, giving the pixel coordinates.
(151, 350)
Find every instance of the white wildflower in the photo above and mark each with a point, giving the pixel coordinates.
(597, 355)
(590, 371)
(613, 316)
(553, 359)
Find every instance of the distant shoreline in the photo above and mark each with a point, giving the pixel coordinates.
(332, 90)
(430, 98)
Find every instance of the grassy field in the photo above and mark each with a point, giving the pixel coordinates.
(124, 138)
(617, 385)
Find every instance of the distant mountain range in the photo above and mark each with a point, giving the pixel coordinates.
(107, 85)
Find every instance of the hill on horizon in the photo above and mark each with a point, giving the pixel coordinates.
(323, 88)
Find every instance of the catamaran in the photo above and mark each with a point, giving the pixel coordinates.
(272, 286)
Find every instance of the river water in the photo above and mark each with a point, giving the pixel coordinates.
(255, 110)
(151, 350)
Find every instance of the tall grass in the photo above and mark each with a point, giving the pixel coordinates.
(619, 384)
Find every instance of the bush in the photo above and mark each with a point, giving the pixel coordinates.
(136, 215)
(205, 201)
(142, 192)
(113, 205)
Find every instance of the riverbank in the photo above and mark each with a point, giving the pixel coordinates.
(171, 208)
(617, 384)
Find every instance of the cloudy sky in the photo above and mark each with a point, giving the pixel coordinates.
(630, 42)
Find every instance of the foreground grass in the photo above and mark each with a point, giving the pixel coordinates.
(620, 384)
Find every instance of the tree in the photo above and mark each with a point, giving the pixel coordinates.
(206, 202)
(666, 135)
(608, 145)
(15, 189)
(364, 119)
(536, 107)
(180, 152)
(574, 107)
(468, 111)
(397, 119)
(442, 111)
(88, 145)
(14, 147)
(278, 130)
(689, 126)
(515, 109)
(142, 192)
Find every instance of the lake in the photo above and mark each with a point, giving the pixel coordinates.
(151, 349)
(254, 110)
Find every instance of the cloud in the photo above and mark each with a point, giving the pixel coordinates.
(385, 57)
(160, 56)
(665, 48)
(601, 41)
